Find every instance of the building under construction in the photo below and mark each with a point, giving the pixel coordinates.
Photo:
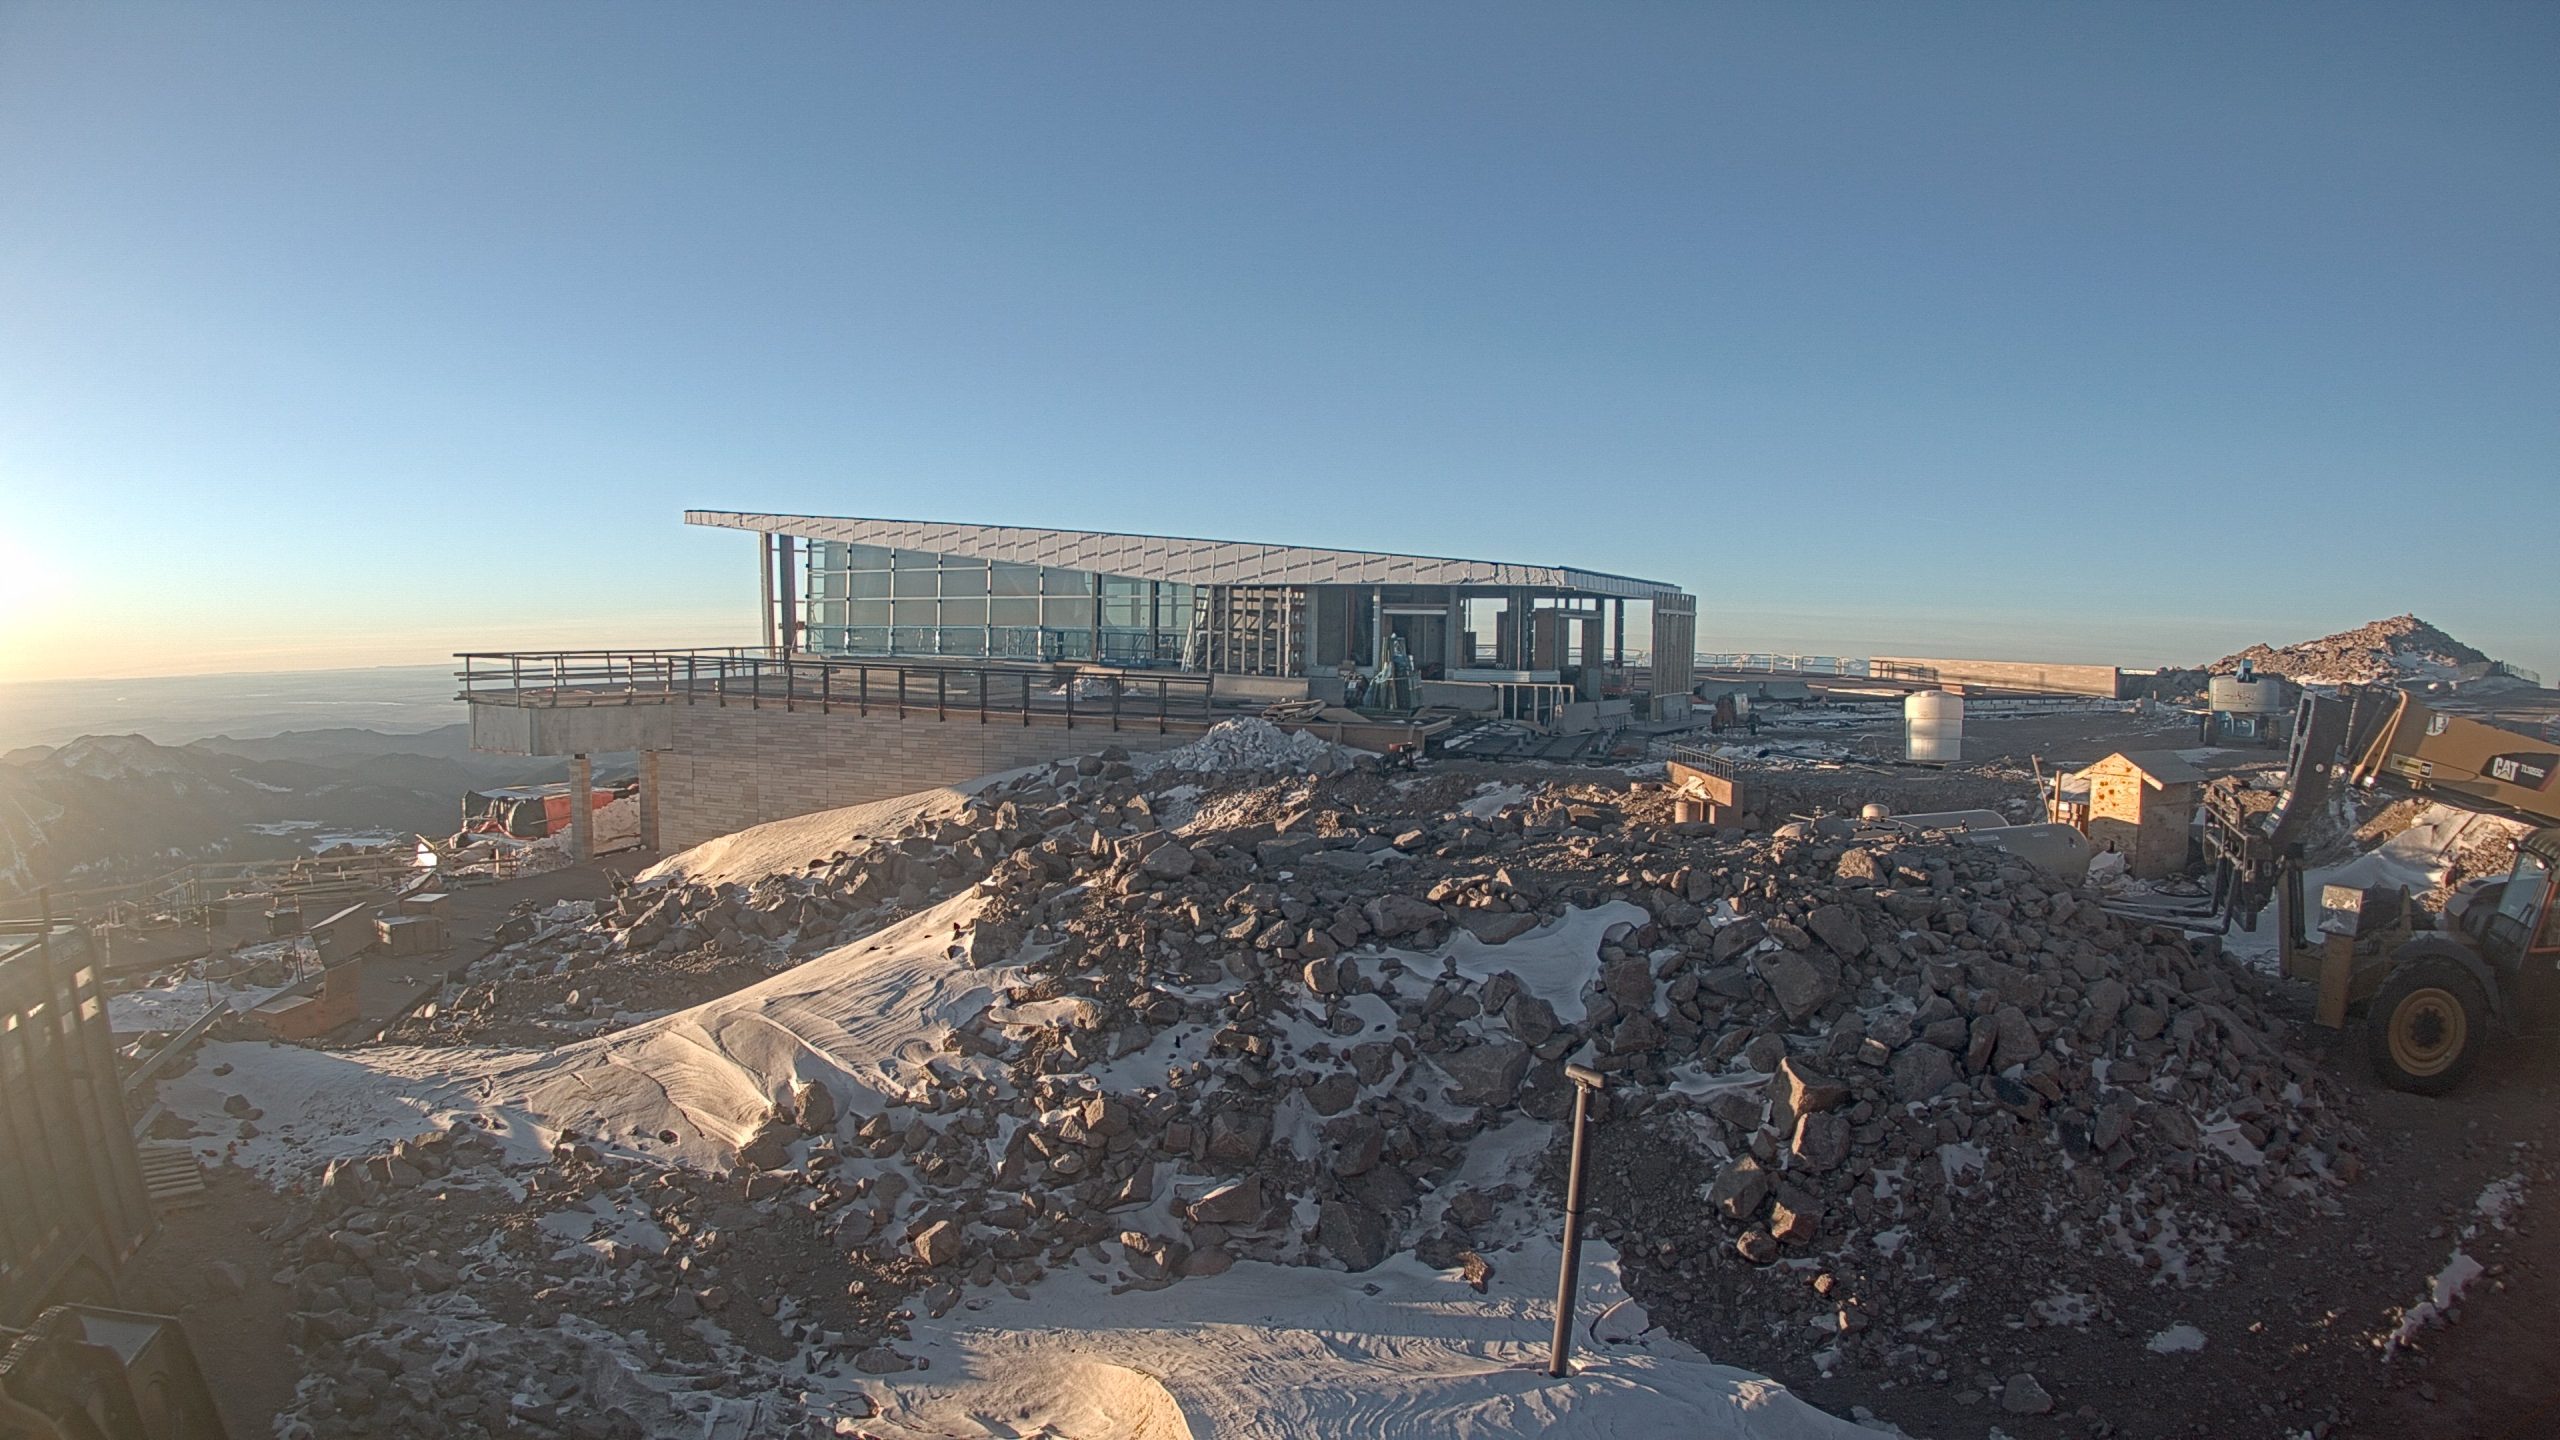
(901, 654)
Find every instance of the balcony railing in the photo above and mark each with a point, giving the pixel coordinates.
(834, 685)
(1835, 667)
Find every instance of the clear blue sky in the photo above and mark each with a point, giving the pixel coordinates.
(363, 333)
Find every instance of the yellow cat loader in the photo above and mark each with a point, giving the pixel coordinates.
(2430, 993)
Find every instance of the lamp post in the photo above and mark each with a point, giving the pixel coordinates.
(1586, 1083)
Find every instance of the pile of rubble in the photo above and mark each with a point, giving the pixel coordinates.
(1326, 1020)
(2394, 651)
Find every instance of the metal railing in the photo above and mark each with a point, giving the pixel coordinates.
(1837, 667)
(761, 679)
(1775, 664)
(191, 887)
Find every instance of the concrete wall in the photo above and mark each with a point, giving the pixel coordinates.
(726, 769)
(2027, 675)
(569, 729)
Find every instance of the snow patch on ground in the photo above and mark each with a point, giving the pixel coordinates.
(1269, 1352)
(1554, 962)
(1491, 799)
(1261, 1352)
(788, 846)
(2496, 1204)
(2176, 1340)
(864, 1019)
(2443, 1293)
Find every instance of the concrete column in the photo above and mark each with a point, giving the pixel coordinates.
(649, 799)
(582, 815)
(787, 583)
(764, 587)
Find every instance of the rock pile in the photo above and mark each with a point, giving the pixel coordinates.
(1853, 1080)
(2398, 650)
(1965, 1065)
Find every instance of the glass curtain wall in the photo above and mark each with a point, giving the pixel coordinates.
(867, 600)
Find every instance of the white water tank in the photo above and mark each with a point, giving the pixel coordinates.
(1933, 727)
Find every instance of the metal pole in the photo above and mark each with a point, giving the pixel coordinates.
(1586, 1082)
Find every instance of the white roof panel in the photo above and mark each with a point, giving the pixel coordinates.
(1186, 561)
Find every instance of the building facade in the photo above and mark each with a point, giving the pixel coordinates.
(899, 655)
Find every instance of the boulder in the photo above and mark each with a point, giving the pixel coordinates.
(1352, 1234)
(1238, 1136)
(1921, 1071)
(2100, 1007)
(1805, 1091)
(1486, 1074)
(816, 1106)
(1794, 1219)
(1532, 1020)
(938, 1243)
(1493, 927)
(1800, 985)
(1839, 929)
(1821, 1141)
(1393, 915)
(769, 1148)
(1237, 1202)
(1169, 862)
(2023, 1395)
(1739, 1189)
(1733, 939)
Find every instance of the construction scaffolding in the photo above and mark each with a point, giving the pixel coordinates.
(1248, 630)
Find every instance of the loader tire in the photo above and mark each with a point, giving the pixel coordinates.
(2426, 1025)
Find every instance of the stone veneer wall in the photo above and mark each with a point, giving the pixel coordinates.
(729, 768)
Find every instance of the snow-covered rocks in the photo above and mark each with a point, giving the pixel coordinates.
(1248, 745)
(1034, 1038)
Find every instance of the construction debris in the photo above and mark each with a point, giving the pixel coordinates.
(2401, 650)
(1252, 1001)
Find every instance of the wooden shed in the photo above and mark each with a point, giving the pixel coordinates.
(2143, 803)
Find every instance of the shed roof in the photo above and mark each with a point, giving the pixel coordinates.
(2161, 767)
(1186, 561)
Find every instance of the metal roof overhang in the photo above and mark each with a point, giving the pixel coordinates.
(1185, 561)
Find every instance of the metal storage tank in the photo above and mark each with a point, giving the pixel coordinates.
(2247, 695)
(1933, 727)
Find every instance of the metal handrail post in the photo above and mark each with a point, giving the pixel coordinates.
(1586, 1082)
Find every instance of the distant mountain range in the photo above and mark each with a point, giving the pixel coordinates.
(103, 809)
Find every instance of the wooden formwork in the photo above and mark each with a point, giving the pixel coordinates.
(73, 1205)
